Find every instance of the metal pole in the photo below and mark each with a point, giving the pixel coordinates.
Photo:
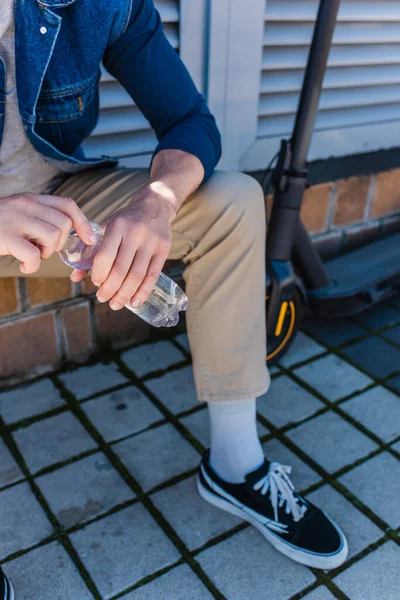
(307, 260)
(312, 83)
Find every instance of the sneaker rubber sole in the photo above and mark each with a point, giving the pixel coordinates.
(9, 592)
(310, 559)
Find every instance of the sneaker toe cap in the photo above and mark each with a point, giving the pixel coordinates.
(320, 535)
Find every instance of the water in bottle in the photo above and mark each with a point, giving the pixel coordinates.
(165, 302)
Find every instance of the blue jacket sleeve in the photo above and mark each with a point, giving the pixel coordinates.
(144, 62)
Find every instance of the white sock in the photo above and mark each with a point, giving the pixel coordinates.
(235, 447)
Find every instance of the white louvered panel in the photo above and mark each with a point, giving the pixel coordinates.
(362, 82)
(113, 95)
(122, 130)
(335, 78)
(299, 34)
(305, 10)
(282, 58)
(120, 144)
(279, 104)
(120, 120)
(352, 117)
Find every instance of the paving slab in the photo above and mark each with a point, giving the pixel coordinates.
(28, 401)
(84, 489)
(9, 470)
(183, 340)
(157, 455)
(302, 475)
(333, 332)
(333, 377)
(396, 446)
(287, 402)
(377, 484)
(376, 356)
(273, 369)
(378, 410)
(123, 548)
(175, 390)
(394, 384)
(375, 577)
(121, 413)
(321, 593)
(195, 521)
(88, 381)
(152, 357)
(178, 584)
(331, 441)
(358, 529)
(380, 315)
(129, 541)
(303, 348)
(395, 300)
(245, 565)
(198, 424)
(47, 573)
(392, 334)
(23, 523)
(52, 440)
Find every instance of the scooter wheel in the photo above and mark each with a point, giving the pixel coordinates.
(288, 324)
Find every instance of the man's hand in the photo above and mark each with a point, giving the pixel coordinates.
(136, 245)
(34, 226)
(137, 238)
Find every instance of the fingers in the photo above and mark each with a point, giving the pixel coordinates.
(133, 280)
(105, 257)
(117, 274)
(153, 272)
(68, 207)
(45, 235)
(26, 253)
(62, 222)
(78, 275)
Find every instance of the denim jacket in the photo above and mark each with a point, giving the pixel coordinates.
(59, 47)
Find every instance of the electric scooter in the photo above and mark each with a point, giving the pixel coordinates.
(296, 276)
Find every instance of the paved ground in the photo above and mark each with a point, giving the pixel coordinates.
(97, 474)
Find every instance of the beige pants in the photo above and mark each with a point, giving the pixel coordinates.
(220, 234)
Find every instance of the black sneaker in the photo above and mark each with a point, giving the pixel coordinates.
(267, 500)
(6, 591)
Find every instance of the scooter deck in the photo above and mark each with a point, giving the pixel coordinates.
(362, 270)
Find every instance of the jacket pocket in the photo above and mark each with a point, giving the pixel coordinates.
(64, 118)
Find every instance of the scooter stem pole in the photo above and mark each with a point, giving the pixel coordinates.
(312, 83)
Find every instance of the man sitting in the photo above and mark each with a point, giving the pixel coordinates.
(50, 52)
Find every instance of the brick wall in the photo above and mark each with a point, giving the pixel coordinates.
(346, 213)
(44, 323)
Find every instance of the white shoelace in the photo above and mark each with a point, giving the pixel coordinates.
(281, 491)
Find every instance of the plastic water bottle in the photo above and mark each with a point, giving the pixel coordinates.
(162, 307)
